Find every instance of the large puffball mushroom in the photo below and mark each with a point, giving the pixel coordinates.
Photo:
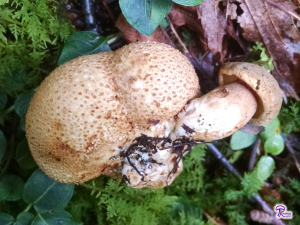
(90, 110)
(249, 92)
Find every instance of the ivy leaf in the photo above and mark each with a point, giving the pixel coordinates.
(274, 144)
(240, 140)
(271, 128)
(145, 15)
(188, 2)
(82, 43)
(265, 167)
(6, 219)
(23, 155)
(54, 218)
(3, 99)
(22, 103)
(16, 184)
(45, 193)
(2, 145)
(24, 218)
(5, 190)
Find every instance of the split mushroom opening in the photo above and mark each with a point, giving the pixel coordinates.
(134, 113)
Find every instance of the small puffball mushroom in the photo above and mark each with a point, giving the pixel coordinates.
(249, 92)
(88, 112)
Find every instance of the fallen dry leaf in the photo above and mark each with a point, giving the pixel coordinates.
(275, 28)
(213, 22)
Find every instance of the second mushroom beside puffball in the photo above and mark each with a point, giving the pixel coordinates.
(143, 121)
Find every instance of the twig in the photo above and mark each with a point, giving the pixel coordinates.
(167, 36)
(109, 11)
(257, 197)
(90, 22)
(176, 35)
(282, 9)
(209, 218)
(253, 155)
(291, 150)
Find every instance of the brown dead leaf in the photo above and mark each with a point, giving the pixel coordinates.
(274, 27)
(132, 35)
(213, 21)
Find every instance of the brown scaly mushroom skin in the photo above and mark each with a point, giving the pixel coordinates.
(91, 108)
(263, 85)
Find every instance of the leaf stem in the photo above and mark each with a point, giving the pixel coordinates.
(28, 208)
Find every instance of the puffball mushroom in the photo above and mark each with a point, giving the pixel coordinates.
(134, 113)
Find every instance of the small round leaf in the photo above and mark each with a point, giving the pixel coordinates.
(5, 190)
(54, 218)
(240, 140)
(23, 155)
(6, 219)
(22, 123)
(271, 129)
(265, 167)
(2, 145)
(16, 184)
(45, 193)
(24, 218)
(22, 102)
(274, 144)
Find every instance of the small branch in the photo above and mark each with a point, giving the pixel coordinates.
(167, 36)
(111, 15)
(209, 218)
(257, 197)
(283, 9)
(253, 155)
(176, 35)
(291, 150)
(89, 19)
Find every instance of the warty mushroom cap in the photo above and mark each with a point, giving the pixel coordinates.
(91, 108)
(263, 85)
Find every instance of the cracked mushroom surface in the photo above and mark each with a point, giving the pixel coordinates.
(89, 110)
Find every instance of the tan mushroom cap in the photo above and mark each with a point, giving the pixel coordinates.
(82, 115)
(264, 86)
(75, 121)
(155, 81)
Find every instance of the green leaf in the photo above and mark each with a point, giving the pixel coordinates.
(265, 167)
(274, 144)
(145, 15)
(3, 99)
(82, 43)
(6, 219)
(271, 128)
(22, 123)
(23, 155)
(164, 23)
(16, 184)
(54, 218)
(24, 218)
(45, 193)
(188, 2)
(5, 190)
(22, 102)
(2, 145)
(240, 140)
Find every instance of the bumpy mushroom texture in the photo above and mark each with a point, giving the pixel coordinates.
(263, 85)
(90, 109)
(154, 81)
(217, 114)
